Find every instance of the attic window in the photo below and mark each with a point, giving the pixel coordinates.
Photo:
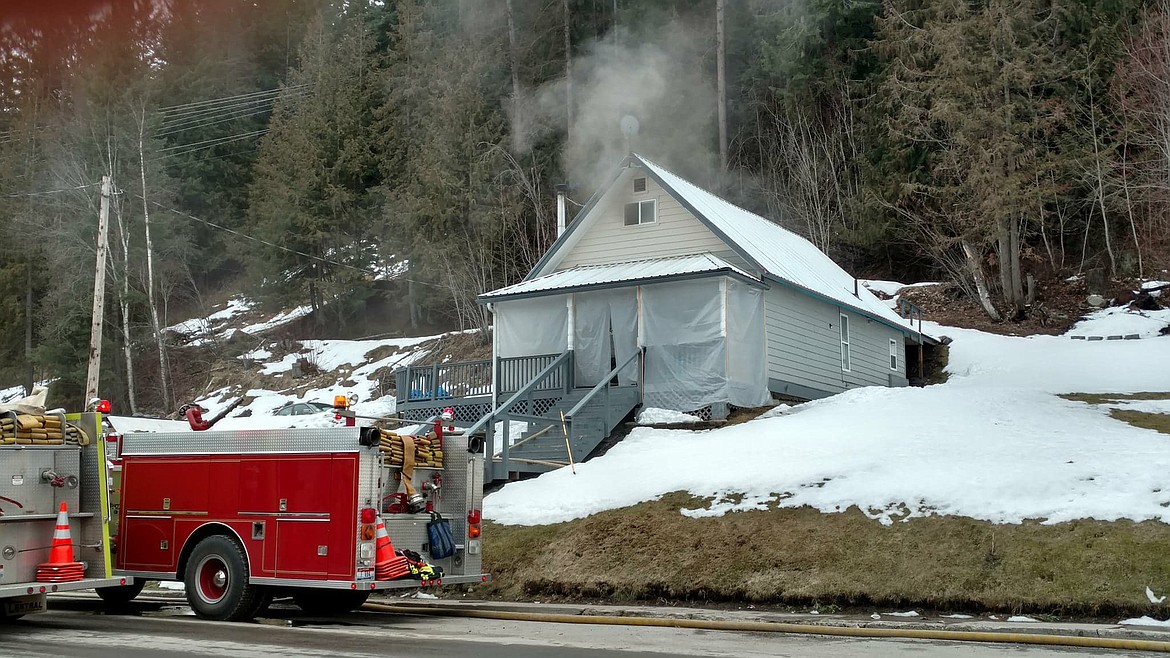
(640, 212)
(639, 184)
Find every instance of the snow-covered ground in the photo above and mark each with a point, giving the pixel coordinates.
(347, 367)
(995, 443)
(891, 288)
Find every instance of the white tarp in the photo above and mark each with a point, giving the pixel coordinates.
(605, 333)
(31, 404)
(747, 358)
(527, 327)
(682, 329)
(530, 327)
(704, 339)
(704, 345)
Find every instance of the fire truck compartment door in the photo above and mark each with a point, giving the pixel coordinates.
(149, 543)
(303, 526)
(302, 547)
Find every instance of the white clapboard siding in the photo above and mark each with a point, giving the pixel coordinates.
(675, 233)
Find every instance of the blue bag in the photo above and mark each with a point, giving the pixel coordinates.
(440, 543)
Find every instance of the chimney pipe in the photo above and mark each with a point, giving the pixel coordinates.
(562, 190)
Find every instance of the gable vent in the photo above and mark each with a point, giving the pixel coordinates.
(639, 184)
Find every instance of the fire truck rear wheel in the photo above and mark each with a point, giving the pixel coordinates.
(120, 594)
(217, 581)
(325, 601)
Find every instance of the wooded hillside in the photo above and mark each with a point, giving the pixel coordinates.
(302, 150)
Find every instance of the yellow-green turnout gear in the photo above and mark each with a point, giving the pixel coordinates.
(420, 568)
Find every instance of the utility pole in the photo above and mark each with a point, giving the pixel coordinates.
(568, 72)
(721, 81)
(28, 328)
(99, 296)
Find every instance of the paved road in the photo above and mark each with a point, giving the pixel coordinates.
(172, 631)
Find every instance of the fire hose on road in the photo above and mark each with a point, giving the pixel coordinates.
(801, 629)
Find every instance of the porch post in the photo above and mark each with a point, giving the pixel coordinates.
(570, 368)
(505, 439)
(495, 361)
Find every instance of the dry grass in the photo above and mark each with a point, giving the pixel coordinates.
(1150, 421)
(1103, 398)
(802, 557)
(1143, 419)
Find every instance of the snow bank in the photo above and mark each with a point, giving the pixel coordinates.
(1054, 364)
(1120, 321)
(283, 317)
(653, 416)
(1145, 621)
(891, 288)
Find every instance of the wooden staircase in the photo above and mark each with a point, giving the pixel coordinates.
(535, 390)
(587, 427)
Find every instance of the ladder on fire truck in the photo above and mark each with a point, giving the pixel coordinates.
(523, 432)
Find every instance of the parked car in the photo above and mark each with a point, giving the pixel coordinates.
(302, 409)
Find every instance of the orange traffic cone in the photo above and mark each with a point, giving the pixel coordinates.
(61, 568)
(388, 564)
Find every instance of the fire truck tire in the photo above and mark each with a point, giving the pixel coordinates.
(120, 594)
(326, 601)
(217, 581)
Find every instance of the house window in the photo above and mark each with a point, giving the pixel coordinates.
(844, 342)
(640, 212)
(639, 184)
(893, 354)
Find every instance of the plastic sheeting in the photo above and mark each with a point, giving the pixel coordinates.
(703, 348)
(704, 339)
(747, 358)
(528, 327)
(605, 333)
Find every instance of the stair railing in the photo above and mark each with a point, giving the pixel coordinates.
(602, 388)
(486, 424)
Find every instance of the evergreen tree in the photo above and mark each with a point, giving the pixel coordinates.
(968, 102)
(318, 166)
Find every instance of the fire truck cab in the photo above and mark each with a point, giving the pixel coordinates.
(242, 516)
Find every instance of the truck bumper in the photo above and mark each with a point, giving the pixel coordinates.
(25, 598)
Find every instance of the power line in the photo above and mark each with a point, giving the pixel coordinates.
(223, 99)
(215, 141)
(203, 113)
(282, 247)
(48, 192)
(218, 142)
(255, 239)
(211, 121)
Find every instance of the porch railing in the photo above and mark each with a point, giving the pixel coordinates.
(443, 381)
(558, 369)
(517, 371)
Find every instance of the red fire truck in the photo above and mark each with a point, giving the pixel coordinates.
(243, 516)
(239, 516)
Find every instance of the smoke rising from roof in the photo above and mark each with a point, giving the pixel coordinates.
(663, 76)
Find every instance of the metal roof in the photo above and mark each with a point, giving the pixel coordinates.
(614, 274)
(780, 253)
